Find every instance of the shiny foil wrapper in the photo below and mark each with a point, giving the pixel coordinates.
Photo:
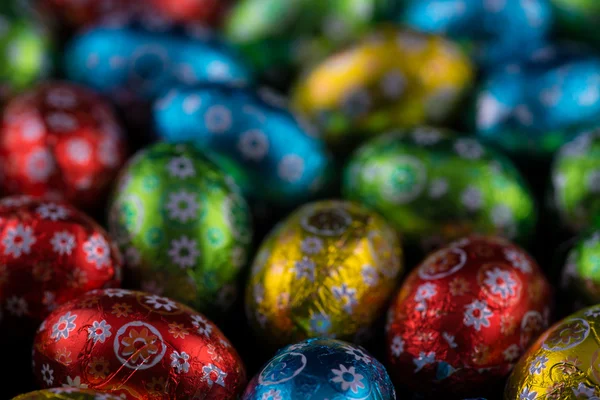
(66, 393)
(63, 141)
(562, 364)
(389, 79)
(206, 12)
(578, 19)
(278, 39)
(498, 32)
(464, 316)
(326, 271)
(134, 59)
(435, 188)
(581, 276)
(182, 225)
(533, 108)
(50, 253)
(25, 47)
(274, 156)
(137, 346)
(77, 15)
(576, 182)
(321, 369)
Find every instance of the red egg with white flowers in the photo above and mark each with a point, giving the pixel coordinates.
(137, 346)
(50, 253)
(60, 140)
(464, 316)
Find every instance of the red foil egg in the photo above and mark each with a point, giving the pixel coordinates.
(137, 346)
(464, 316)
(78, 14)
(61, 140)
(49, 253)
(207, 12)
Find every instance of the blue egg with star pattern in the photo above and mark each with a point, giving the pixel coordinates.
(532, 108)
(273, 155)
(143, 58)
(498, 31)
(321, 369)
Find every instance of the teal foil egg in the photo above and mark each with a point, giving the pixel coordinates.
(321, 369)
(273, 155)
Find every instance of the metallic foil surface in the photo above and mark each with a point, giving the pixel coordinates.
(497, 31)
(578, 19)
(581, 276)
(464, 316)
(321, 369)
(533, 108)
(142, 58)
(182, 225)
(273, 155)
(435, 188)
(326, 271)
(66, 393)
(563, 364)
(389, 79)
(576, 181)
(25, 47)
(206, 12)
(137, 346)
(61, 140)
(49, 253)
(77, 14)
(280, 38)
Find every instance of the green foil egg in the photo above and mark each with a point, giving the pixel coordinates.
(25, 48)
(578, 18)
(182, 225)
(576, 181)
(581, 273)
(436, 188)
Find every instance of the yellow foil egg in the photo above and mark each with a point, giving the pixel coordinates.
(391, 79)
(326, 271)
(563, 364)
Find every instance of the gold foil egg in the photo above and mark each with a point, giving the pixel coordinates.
(326, 271)
(390, 79)
(563, 364)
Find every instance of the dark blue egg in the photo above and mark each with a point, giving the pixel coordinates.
(145, 60)
(536, 106)
(272, 155)
(321, 369)
(499, 30)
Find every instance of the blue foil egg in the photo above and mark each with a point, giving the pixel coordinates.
(144, 59)
(274, 156)
(498, 30)
(538, 105)
(321, 369)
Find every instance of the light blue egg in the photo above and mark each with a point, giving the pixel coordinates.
(141, 60)
(321, 369)
(535, 106)
(499, 30)
(272, 155)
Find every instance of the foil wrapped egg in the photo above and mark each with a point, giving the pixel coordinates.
(182, 225)
(206, 12)
(321, 369)
(464, 316)
(76, 14)
(389, 79)
(578, 19)
(576, 181)
(581, 277)
(326, 271)
(497, 31)
(435, 188)
(144, 58)
(533, 108)
(563, 362)
(51, 253)
(61, 140)
(66, 393)
(278, 39)
(25, 46)
(137, 346)
(273, 155)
